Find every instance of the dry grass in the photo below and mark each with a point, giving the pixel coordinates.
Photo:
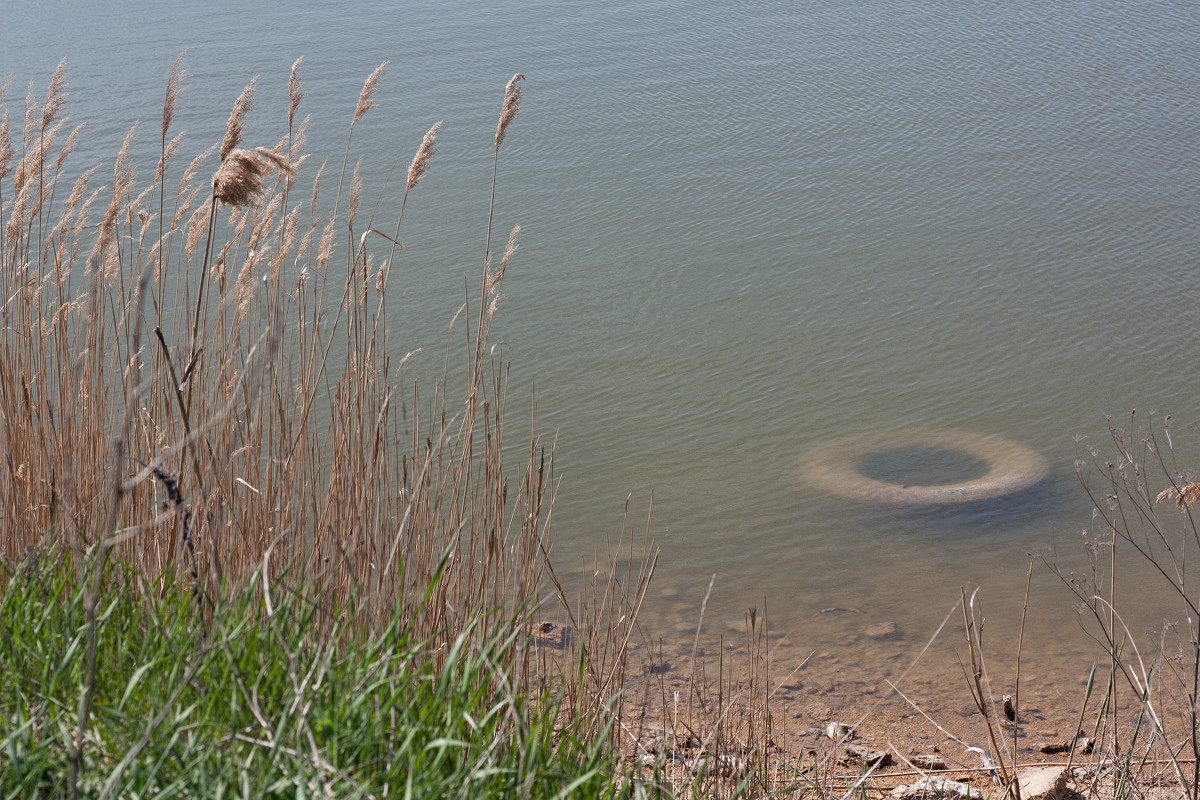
(210, 434)
(195, 386)
(169, 399)
(1147, 716)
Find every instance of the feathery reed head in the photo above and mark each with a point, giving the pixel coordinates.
(512, 105)
(174, 89)
(366, 98)
(510, 248)
(325, 245)
(194, 167)
(491, 289)
(195, 229)
(68, 146)
(122, 184)
(312, 204)
(295, 93)
(6, 147)
(30, 118)
(237, 120)
(239, 179)
(420, 162)
(356, 187)
(78, 189)
(1185, 495)
(169, 149)
(56, 94)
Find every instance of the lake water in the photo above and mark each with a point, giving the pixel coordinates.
(746, 230)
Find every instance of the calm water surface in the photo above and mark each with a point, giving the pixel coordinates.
(746, 231)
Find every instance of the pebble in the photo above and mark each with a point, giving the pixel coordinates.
(930, 788)
(1043, 783)
(872, 758)
(928, 762)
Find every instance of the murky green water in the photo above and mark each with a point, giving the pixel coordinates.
(747, 230)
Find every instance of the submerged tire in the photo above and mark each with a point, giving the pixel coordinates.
(1011, 467)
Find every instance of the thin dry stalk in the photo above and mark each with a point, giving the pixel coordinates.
(512, 105)
(1165, 694)
(981, 694)
(1016, 698)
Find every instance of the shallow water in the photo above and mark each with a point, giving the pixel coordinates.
(746, 232)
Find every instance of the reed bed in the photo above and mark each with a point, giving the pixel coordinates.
(210, 471)
(194, 384)
(197, 387)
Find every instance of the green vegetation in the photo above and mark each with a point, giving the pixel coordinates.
(257, 704)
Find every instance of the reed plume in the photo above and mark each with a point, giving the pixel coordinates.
(416, 171)
(1184, 495)
(193, 168)
(512, 105)
(122, 183)
(244, 287)
(68, 146)
(170, 96)
(175, 88)
(509, 249)
(27, 128)
(6, 148)
(312, 203)
(237, 120)
(366, 98)
(325, 245)
(420, 162)
(195, 229)
(77, 191)
(240, 177)
(356, 187)
(56, 94)
(295, 93)
(236, 182)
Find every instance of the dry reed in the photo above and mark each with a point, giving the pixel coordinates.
(256, 464)
(239, 180)
(420, 162)
(366, 97)
(236, 125)
(512, 105)
(254, 422)
(1184, 495)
